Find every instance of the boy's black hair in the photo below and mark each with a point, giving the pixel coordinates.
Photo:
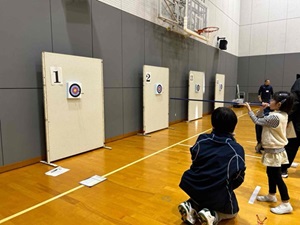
(286, 99)
(223, 120)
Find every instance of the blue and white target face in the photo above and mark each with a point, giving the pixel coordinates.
(74, 90)
(197, 88)
(158, 89)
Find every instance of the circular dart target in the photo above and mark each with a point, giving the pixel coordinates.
(197, 88)
(75, 90)
(220, 87)
(159, 89)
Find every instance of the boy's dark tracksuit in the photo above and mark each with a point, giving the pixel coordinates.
(217, 169)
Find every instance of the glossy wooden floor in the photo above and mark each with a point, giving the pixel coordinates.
(142, 183)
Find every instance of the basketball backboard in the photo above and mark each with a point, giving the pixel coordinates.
(187, 15)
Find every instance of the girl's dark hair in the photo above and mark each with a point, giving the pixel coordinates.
(286, 99)
(223, 120)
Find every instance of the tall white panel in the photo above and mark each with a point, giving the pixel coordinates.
(278, 10)
(246, 12)
(274, 26)
(219, 89)
(235, 39)
(276, 41)
(74, 124)
(225, 7)
(155, 98)
(196, 88)
(232, 34)
(231, 6)
(260, 11)
(293, 10)
(292, 36)
(259, 38)
(236, 11)
(222, 22)
(211, 16)
(244, 40)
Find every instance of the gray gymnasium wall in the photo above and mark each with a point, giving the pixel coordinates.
(281, 69)
(93, 29)
(25, 28)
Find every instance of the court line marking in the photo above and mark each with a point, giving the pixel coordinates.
(40, 204)
(110, 173)
(155, 153)
(80, 186)
(252, 142)
(253, 156)
(185, 145)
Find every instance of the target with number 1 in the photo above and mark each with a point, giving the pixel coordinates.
(74, 90)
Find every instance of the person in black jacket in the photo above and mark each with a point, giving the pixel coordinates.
(294, 143)
(265, 93)
(218, 167)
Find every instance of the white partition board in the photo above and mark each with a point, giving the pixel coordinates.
(74, 104)
(196, 89)
(219, 90)
(155, 98)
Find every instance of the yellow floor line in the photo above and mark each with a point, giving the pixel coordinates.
(121, 168)
(80, 186)
(40, 204)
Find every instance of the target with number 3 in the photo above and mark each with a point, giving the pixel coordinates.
(197, 88)
(74, 90)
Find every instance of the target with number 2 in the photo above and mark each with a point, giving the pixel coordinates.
(158, 89)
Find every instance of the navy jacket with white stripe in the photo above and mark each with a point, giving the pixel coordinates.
(218, 167)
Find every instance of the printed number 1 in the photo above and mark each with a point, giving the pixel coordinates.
(56, 77)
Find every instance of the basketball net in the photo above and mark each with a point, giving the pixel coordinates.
(209, 33)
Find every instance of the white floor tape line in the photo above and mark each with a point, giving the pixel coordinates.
(253, 156)
(254, 195)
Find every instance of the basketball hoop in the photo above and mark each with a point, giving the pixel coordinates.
(208, 32)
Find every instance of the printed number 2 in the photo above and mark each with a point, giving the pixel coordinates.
(148, 77)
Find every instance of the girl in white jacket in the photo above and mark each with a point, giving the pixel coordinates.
(273, 141)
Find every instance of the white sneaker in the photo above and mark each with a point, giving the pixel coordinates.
(283, 208)
(284, 174)
(267, 198)
(188, 214)
(205, 217)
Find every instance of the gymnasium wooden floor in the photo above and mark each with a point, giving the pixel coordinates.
(142, 183)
